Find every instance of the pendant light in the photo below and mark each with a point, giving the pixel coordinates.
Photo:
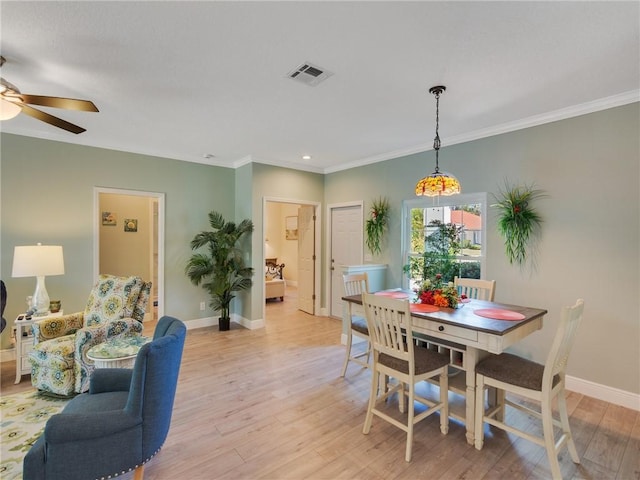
(438, 183)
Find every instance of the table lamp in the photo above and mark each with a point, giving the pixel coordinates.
(38, 261)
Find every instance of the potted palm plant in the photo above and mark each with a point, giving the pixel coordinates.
(221, 270)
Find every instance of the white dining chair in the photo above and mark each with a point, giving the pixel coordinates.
(390, 324)
(355, 284)
(541, 383)
(474, 288)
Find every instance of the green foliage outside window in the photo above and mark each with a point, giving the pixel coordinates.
(441, 247)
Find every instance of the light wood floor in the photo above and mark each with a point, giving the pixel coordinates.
(269, 404)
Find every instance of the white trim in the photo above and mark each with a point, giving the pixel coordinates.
(201, 322)
(613, 101)
(160, 197)
(7, 354)
(603, 392)
(214, 321)
(584, 387)
(276, 163)
(248, 324)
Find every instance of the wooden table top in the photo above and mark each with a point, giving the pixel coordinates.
(464, 315)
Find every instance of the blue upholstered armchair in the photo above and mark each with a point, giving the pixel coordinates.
(121, 423)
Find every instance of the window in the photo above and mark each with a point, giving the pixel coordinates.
(444, 236)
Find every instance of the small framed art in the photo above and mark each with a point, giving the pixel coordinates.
(291, 228)
(130, 225)
(109, 219)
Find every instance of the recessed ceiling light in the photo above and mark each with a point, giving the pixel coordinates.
(306, 157)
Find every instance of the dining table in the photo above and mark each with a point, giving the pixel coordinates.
(468, 333)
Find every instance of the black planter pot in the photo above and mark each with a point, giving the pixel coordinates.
(224, 323)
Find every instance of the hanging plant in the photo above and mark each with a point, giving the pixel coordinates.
(377, 224)
(518, 222)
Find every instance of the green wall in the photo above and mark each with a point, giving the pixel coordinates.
(589, 166)
(282, 183)
(47, 196)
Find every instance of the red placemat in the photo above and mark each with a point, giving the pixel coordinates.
(423, 308)
(498, 314)
(393, 294)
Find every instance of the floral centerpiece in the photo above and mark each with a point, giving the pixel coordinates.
(436, 292)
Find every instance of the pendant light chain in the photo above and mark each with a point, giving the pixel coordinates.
(436, 141)
(438, 183)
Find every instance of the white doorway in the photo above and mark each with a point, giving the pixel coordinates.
(345, 247)
(304, 269)
(129, 239)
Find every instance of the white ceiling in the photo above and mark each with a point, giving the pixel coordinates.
(185, 79)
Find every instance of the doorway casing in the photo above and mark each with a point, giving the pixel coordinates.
(160, 217)
(318, 236)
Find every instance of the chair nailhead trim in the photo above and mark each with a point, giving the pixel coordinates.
(132, 468)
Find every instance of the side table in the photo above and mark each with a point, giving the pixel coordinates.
(117, 353)
(24, 342)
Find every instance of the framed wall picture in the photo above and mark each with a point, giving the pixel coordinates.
(291, 228)
(130, 225)
(109, 219)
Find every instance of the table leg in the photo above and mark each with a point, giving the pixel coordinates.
(470, 400)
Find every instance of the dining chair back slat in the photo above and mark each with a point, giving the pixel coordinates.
(389, 323)
(355, 283)
(475, 288)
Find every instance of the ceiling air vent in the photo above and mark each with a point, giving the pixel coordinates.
(309, 74)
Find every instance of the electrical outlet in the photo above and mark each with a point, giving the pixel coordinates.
(202, 306)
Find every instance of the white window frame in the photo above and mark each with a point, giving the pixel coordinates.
(429, 202)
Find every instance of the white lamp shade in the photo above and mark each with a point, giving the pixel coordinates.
(38, 261)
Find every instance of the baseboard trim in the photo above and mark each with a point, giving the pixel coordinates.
(578, 385)
(603, 392)
(201, 322)
(7, 354)
(213, 322)
(249, 324)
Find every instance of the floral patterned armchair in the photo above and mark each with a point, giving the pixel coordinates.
(115, 308)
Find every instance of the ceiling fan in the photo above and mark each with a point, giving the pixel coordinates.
(12, 102)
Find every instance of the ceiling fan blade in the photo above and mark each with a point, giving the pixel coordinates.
(50, 119)
(60, 102)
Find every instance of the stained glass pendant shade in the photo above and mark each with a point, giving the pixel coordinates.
(438, 183)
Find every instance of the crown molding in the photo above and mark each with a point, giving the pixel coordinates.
(613, 101)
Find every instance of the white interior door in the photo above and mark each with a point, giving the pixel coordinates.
(306, 258)
(346, 249)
